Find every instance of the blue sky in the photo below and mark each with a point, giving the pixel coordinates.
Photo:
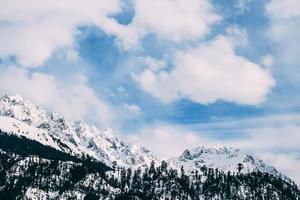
(200, 72)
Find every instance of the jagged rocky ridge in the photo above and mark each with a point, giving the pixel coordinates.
(89, 153)
(222, 158)
(24, 176)
(73, 137)
(22, 117)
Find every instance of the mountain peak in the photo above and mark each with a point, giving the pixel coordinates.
(216, 149)
(73, 137)
(223, 158)
(80, 138)
(189, 154)
(15, 98)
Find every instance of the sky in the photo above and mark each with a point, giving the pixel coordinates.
(167, 74)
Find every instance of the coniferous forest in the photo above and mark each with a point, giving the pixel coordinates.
(50, 174)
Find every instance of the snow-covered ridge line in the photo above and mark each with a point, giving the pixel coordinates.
(224, 158)
(73, 137)
(16, 127)
(78, 138)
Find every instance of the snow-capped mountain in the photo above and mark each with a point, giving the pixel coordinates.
(21, 117)
(223, 158)
(45, 156)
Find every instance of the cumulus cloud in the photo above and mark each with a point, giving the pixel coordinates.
(154, 64)
(174, 19)
(30, 30)
(208, 73)
(75, 99)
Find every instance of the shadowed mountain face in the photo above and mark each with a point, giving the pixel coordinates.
(73, 137)
(45, 156)
(30, 170)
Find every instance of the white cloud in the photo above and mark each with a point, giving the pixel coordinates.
(285, 35)
(166, 140)
(274, 139)
(72, 56)
(132, 108)
(238, 37)
(273, 133)
(31, 30)
(243, 5)
(287, 163)
(279, 9)
(267, 61)
(75, 99)
(175, 19)
(155, 65)
(208, 73)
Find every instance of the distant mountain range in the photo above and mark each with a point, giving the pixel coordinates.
(74, 137)
(39, 148)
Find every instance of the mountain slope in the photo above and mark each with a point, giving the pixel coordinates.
(36, 177)
(77, 138)
(45, 156)
(16, 127)
(222, 158)
(25, 147)
(30, 170)
(74, 137)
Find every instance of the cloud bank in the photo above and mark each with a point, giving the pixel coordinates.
(31, 30)
(75, 99)
(207, 73)
(275, 139)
